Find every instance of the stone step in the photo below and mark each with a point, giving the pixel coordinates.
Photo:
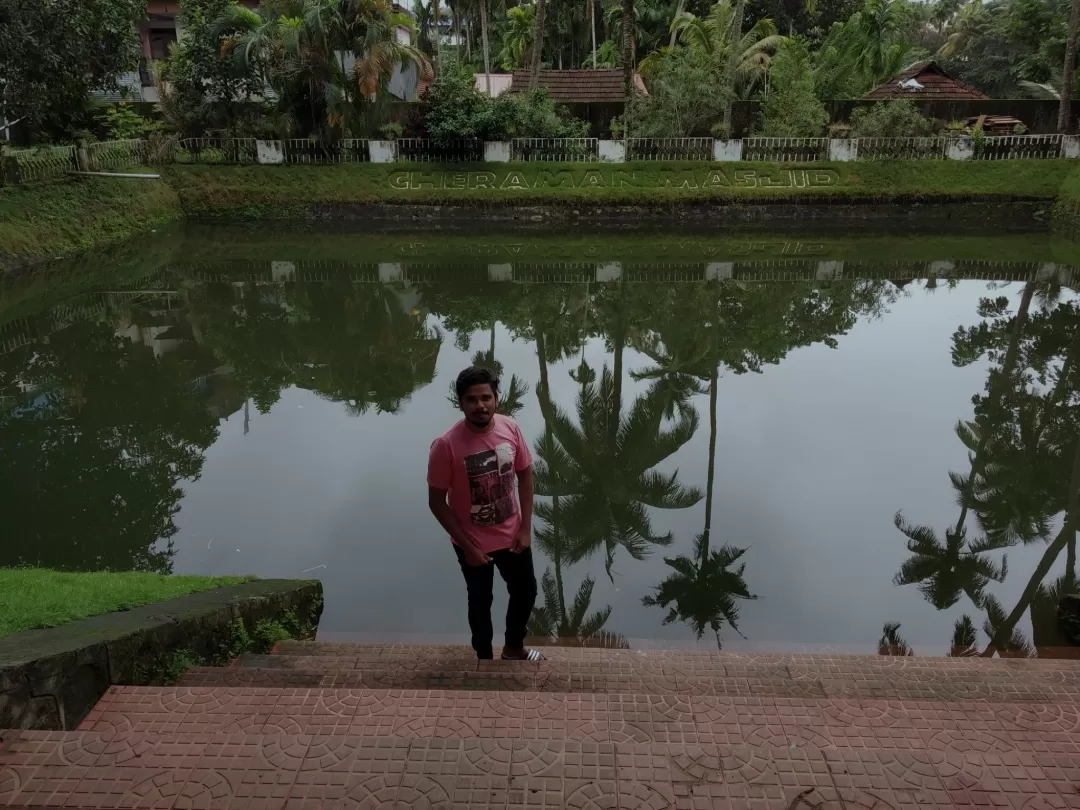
(638, 677)
(232, 771)
(683, 719)
(820, 662)
(701, 673)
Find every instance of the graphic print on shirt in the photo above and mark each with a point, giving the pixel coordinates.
(491, 485)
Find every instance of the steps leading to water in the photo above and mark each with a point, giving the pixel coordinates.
(392, 726)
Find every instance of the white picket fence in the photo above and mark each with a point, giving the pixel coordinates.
(901, 148)
(217, 150)
(785, 150)
(669, 148)
(34, 165)
(556, 150)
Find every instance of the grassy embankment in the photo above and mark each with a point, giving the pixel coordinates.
(69, 216)
(58, 219)
(291, 192)
(34, 598)
(1066, 216)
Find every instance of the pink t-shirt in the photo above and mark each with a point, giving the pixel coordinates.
(480, 471)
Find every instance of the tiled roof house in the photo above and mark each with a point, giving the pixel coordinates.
(924, 81)
(578, 86)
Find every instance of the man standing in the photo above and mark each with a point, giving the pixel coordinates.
(476, 463)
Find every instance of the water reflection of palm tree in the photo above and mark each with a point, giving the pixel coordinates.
(553, 622)
(609, 478)
(1019, 447)
(892, 643)
(945, 569)
(703, 591)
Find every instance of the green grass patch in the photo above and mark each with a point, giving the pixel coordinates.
(291, 192)
(35, 598)
(72, 215)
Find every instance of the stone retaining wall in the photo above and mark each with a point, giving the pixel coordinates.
(50, 679)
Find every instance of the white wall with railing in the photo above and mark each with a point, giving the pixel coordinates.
(33, 165)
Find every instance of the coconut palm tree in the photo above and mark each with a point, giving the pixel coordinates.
(610, 476)
(553, 621)
(709, 37)
(1068, 71)
(892, 643)
(518, 36)
(703, 592)
(577, 626)
(964, 640)
(945, 570)
(734, 37)
(298, 47)
(628, 56)
(537, 43)
(879, 43)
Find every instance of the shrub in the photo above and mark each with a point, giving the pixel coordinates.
(122, 123)
(457, 109)
(537, 115)
(676, 105)
(792, 110)
(721, 131)
(391, 131)
(891, 119)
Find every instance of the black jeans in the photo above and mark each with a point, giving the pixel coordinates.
(517, 572)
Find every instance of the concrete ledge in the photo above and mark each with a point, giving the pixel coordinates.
(50, 679)
(1017, 214)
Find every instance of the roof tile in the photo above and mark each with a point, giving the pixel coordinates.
(936, 85)
(580, 86)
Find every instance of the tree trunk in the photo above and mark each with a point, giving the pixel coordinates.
(484, 38)
(713, 380)
(733, 59)
(538, 44)
(543, 393)
(1068, 71)
(438, 38)
(1067, 534)
(628, 47)
(558, 562)
(674, 33)
(592, 29)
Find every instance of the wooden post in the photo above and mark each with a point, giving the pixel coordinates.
(82, 156)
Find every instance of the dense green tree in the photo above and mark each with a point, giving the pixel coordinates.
(54, 54)
(97, 436)
(793, 109)
(518, 37)
(204, 79)
(298, 48)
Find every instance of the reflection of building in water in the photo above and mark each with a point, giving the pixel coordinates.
(154, 318)
(737, 265)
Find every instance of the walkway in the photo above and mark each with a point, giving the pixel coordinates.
(330, 725)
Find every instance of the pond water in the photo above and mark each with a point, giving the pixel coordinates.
(234, 401)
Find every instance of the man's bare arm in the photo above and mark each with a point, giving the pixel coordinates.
(525, 496)
(448, 520)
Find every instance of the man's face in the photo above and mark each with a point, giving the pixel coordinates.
(478, 404)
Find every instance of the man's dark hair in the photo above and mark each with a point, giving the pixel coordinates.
(476, 375)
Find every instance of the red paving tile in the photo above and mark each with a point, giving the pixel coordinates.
(317, 726)
(231, 770)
